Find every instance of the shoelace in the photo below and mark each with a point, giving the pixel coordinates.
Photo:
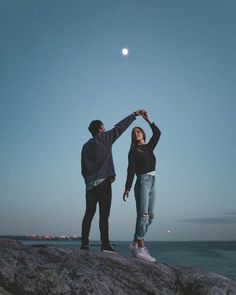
(146, 251)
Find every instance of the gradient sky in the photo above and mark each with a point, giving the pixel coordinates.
(61, 67)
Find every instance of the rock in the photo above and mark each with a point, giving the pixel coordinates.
(51, 270)
(4, 292)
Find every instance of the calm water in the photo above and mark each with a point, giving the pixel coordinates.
(219, 257)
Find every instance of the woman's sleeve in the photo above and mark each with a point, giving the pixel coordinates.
(130, 170)
(156, 133)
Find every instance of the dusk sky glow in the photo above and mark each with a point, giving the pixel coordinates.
(62, 66)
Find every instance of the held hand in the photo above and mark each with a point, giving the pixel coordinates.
(146, 117)
(139, 112)
(125, 195)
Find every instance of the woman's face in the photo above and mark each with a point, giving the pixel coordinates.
(138, 135)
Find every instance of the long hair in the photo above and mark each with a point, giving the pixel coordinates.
(133, 141)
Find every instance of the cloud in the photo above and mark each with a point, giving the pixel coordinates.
(228, 218)
(231, 213)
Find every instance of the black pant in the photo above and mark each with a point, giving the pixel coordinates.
(102, 195)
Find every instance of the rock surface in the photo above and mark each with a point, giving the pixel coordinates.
(51, 270)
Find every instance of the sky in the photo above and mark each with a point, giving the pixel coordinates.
(61, 67)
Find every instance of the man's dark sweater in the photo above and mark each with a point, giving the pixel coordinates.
(141, 157)
(96, 157)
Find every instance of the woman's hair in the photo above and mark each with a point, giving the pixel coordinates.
(95, 126)
(133, 142)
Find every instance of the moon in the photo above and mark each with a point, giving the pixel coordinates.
(125, 51)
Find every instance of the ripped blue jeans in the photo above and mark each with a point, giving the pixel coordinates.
(144, 191)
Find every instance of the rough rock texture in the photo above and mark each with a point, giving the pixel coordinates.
(50, 270)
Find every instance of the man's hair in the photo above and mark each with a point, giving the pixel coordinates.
(94, 127)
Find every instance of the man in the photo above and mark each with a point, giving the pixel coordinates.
(98, 172)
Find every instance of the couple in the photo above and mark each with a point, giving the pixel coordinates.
(98, 172)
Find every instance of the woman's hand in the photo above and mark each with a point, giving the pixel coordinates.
(146, 117)
(125, 195)
(139, 112)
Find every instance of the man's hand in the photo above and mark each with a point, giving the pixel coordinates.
(125, 195)
(139, 112)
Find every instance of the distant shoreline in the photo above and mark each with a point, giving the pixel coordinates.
(41, 238)
(78, 238)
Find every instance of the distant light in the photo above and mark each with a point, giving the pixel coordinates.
(169, 231)
(125, 51)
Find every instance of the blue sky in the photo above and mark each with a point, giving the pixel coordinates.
(61, 67)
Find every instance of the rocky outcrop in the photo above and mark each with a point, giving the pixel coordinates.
(51, 270)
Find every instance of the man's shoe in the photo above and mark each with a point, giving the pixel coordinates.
(108, 249)
(84, 247)
(143, 253)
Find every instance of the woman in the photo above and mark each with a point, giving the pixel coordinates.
(142, 162)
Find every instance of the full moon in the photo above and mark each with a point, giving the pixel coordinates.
(125, 51)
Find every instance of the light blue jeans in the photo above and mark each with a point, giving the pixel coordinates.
(144, 191)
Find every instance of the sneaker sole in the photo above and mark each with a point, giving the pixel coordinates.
(143, 258)
(111, 252)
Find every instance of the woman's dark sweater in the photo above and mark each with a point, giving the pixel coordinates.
(141, 157)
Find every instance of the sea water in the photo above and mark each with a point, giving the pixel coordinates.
(218, 257)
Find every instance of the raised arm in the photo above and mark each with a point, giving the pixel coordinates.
(114, 133)
(156, 132)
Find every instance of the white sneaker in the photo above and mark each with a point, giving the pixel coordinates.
(143, 253)
(133, 247)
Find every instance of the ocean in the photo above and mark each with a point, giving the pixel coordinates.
(218, 257)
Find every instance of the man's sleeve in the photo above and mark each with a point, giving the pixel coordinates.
(83, 169)
(112, 135)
